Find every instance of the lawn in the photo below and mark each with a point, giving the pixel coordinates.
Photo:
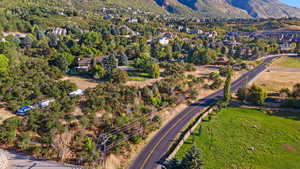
(289, 62)
(136, 75)
(239, 138)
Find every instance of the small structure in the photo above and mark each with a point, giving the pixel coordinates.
(222, 61)
(78, 92)
(24, 110)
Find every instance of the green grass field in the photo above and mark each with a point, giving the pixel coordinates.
(135, 75)
(239, 138)
(290, 62)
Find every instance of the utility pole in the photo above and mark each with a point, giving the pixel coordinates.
(102, 145)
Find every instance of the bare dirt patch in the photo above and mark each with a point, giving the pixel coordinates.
(5, 114)
(81, 82)
(289, 148)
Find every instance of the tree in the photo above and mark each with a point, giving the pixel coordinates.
(296, 91)
(110, 63)
(257, 95)
(172, 164)
(227, 86)
(155, 71)
(203, 56)
(99, 71)
(61, 62)
(119, 76)
(123, 59)
(192, 159)
(4, 63)
(242, 93)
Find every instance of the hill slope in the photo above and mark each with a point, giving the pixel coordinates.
(206, 8)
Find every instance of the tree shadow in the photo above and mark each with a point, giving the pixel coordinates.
(286, 114)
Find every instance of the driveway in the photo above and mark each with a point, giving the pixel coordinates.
(19, 161)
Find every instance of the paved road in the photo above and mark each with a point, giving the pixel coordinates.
(154, 153)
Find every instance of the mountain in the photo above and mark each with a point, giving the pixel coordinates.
(203, 8)
(233, 8)
(266, 8)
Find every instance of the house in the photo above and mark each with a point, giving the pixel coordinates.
(24, 110)
(58, 31)
(222, 61)
(86, 64)
(132, 20)
(196, 31)
(286, 47)
(78, 92)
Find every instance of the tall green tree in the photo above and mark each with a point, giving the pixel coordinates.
(192, 159)
(227, 86)
(4, 63)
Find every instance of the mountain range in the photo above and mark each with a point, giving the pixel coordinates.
(231, 8)
(202, 8)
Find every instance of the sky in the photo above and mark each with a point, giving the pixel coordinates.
(292, 2)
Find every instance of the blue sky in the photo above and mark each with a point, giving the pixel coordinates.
(292, 2)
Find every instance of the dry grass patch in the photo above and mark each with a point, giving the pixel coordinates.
(81, 82)
(274, 81)
(287, 62)
(5, 114)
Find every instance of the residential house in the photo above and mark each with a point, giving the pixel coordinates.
(132, 20)
(86, 64)
(222, 61)
(196, 31)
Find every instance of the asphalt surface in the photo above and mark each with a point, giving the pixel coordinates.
(155, 152)
(20, 161)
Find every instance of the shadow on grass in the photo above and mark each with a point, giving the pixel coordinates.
(136, 73)
(288, 115)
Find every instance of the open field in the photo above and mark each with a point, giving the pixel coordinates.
(245, 138)
(274, 81)
(282, 73)
(288, 62)
(82, 83)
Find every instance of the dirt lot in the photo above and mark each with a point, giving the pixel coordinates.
(81, 82)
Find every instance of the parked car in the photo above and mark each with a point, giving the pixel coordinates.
(24, 110)
(45, 103)
(78, 92)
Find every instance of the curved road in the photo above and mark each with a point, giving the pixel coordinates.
(153, 154)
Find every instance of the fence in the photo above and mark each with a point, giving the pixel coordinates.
(188, 131)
